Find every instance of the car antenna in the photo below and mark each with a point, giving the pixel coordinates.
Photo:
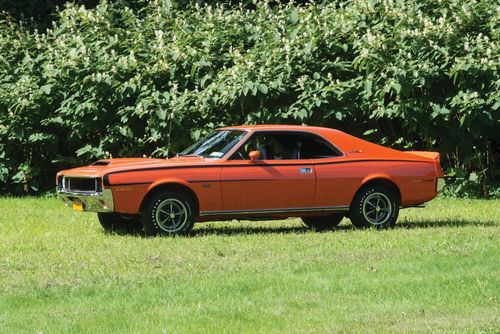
(169, 132)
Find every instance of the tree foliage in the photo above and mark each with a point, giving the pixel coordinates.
(109, 81)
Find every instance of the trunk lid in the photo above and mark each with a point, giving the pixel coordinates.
(435, 157)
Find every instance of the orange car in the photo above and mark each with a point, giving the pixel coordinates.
(268, 171)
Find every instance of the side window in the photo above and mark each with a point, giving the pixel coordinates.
(315, 147)
(286, 145)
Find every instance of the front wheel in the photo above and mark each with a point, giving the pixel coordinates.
(168, 213)
(374, 206)
(322, 223)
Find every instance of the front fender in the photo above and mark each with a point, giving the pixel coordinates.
(169, 180)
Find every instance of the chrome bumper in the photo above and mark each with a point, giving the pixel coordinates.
(92, 202)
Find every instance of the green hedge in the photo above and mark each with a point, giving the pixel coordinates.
(105, 82)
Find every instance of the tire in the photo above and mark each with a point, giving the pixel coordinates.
(374, 206)
(168, 213)
(322, 223)
(112, 221)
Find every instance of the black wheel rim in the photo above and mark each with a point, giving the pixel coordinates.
(171, 214)
(377, 208)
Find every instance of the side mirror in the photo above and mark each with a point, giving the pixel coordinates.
(254, 155)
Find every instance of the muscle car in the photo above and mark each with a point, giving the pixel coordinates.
(256, 172)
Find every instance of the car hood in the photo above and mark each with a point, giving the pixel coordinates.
(101, 167)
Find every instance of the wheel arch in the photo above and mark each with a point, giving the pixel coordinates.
(381, 180)
(171, 185)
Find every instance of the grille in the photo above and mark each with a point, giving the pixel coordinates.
(83, 184)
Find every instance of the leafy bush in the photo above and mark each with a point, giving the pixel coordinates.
(109, 81)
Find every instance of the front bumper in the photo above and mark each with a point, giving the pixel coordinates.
(92, 201)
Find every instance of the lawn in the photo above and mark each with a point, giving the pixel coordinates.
(437, 271)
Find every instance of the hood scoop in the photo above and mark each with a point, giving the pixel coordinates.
(101, 163)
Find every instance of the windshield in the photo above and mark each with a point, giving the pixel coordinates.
(216, 145)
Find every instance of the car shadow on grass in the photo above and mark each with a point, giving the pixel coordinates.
(233, 230)
(346, 227)
(430, 223)
(245, 230)
(242, 229)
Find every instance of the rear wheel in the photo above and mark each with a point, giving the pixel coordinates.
(322, 223)
(168, 213)
(112, 221)
(374, 206)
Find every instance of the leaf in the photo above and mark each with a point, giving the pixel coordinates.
(162, 113)
(123, 130)
(4, 174)
(263, 88)
(204, 80)
(46, 89)
(81, 151)
(166, 96)
(301, 114)
(293, 15)
(397, 88)
(368, 87)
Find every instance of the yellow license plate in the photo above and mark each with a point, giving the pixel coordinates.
(77, 205)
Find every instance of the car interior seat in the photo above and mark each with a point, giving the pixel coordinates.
(297, 153)
(265, 152)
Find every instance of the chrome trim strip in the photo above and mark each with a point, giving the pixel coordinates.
(62, 187)
(282, 210)
(421, 205)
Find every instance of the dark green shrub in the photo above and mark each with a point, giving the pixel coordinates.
(107, 81)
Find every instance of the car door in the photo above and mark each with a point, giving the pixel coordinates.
(279, 182)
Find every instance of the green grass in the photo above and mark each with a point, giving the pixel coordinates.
(437, 271)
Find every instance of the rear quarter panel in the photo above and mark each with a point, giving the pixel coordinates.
(337, 183)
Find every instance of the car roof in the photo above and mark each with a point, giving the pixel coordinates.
(343, 141)
(281, 127)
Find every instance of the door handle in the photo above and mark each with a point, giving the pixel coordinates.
(305, 170)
